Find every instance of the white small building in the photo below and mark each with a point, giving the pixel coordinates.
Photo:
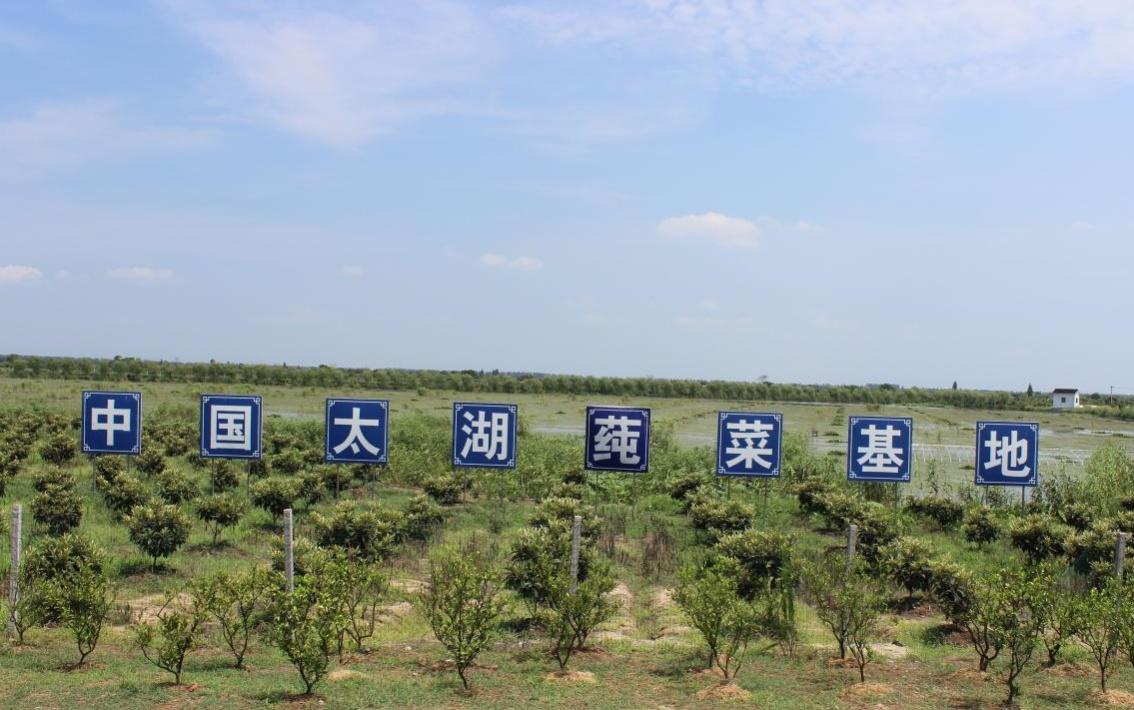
(1065, 398)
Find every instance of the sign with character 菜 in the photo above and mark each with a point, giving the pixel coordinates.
(1007, 453)
(617, 439)
(880, 449)
(749, 443)
(484, 435)
(112, 423)
(231, 426)
(357, 431)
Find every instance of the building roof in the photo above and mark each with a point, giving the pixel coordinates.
(1064, 390)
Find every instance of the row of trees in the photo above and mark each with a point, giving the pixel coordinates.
(136, 370)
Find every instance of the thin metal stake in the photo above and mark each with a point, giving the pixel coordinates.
(14, 572)
(289, 549)
(1120, 555)
(576, 539)
(852, 541)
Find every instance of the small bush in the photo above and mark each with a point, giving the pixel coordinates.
(83, 599)
(150, 462)
(443, 488)
(306, 624)
(1038, 537)
(361, 533)
(761, 557)
(943, 511)
(420, 517)
(175, 633)
(685, 488)
(718, 517)
(812, 495)
(981, 527)
(236, 602)
(220, 511)
(59, 449)
(223, 477)
(174, 487)
(908, 562)
(463, 605)
(58, 509)
(274, 495)
(124, 493)
(1079, 516)
(158, 530)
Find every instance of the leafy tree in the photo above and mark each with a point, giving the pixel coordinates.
(1038, 537)
(58, 509)
(366, 588)
(223, 477)
(166, 643)
(1016, 615)
(83, 600)
(1062, 611)
(237, 603)
(571, 615)
(980, 526)
(944, 512)
(444, 488)
(420, 517)
(717, 518)
(174, 487)
(848, 603)
(123, 493)
(861, 604)
(150, 461)
(221, 510)
(274, 494)
(463, 605)
(59, 449)
(709, 598)
(306, 625)
(361, 533)
(158, 530)
(761, 556)
(908, 562)
(1099, 627)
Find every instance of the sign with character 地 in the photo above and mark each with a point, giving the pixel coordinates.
(1007, 453)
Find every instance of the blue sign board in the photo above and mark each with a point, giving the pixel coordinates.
(231, 426)
(484, 435)
(749, 443)
(357, 430)
(112, 422)
(880, 449)
(1007, 453)
(618, 439)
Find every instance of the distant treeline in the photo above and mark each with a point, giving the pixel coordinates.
(136, 370)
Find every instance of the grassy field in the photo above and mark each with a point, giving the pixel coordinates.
(647, 657)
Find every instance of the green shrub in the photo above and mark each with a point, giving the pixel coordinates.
(1091, 552)
(943, 511)
(420, 517)
(53, 477)
(721, 517)
(443, 488)
(82, 599)
(981, 527)
(952, 589)
(561, 512)
(1079, 516)
(686, 487)
(221, 510)
(237, 603)
(306, 624)
(150, 462)
(59, 449)
(812, 495)
(1038, 537)
(360, 532)
(761, 557)
(175, 633)
(311, 489)
(462, 605)
(175, 487)
(839, 510)
(274, 494)
(335, 478)
(223, 476)
(538, 557)
(907, 562)
(571, 615)
(158, 530)
(124, 493)
(58, 509)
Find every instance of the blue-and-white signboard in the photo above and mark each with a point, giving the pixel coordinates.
(880, 449)
(357, 430)
(112, 422)
(618, 439)
(484, 435)
(1007, 453)
(231, 426)
(749, 443)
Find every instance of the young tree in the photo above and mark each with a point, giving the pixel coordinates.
(166, 643)
(707, 596)
(1017, 620)
(1062, 610)
(306, 624)
(1099, 627)
(571, 616)
(158, 530)
(274, 494)
(463, 605)
(979, 620)
(367, 588)
(237, 603)
(83, 599)
(58, 509)
(221, 510)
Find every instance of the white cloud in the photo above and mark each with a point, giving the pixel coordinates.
(519, 263)
(714, 227)
(141, 273)
(14, 274)
(709, 304)
(343, 77)
(63, 135)
(962, 45)
(353, 271)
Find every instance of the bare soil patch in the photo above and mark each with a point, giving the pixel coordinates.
(570, 676)
(724, 691)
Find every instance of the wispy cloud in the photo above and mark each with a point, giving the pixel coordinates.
(713, 227)
(14, 274)
(141, 273)
(962, 45)
(63, 135)
(343, 77)
(519, 263)
(353, 271)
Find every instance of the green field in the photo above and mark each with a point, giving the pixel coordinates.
(647, 656)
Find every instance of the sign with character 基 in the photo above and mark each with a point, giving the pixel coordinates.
(880, 449)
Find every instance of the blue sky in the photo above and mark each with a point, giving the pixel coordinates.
(846, 191)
